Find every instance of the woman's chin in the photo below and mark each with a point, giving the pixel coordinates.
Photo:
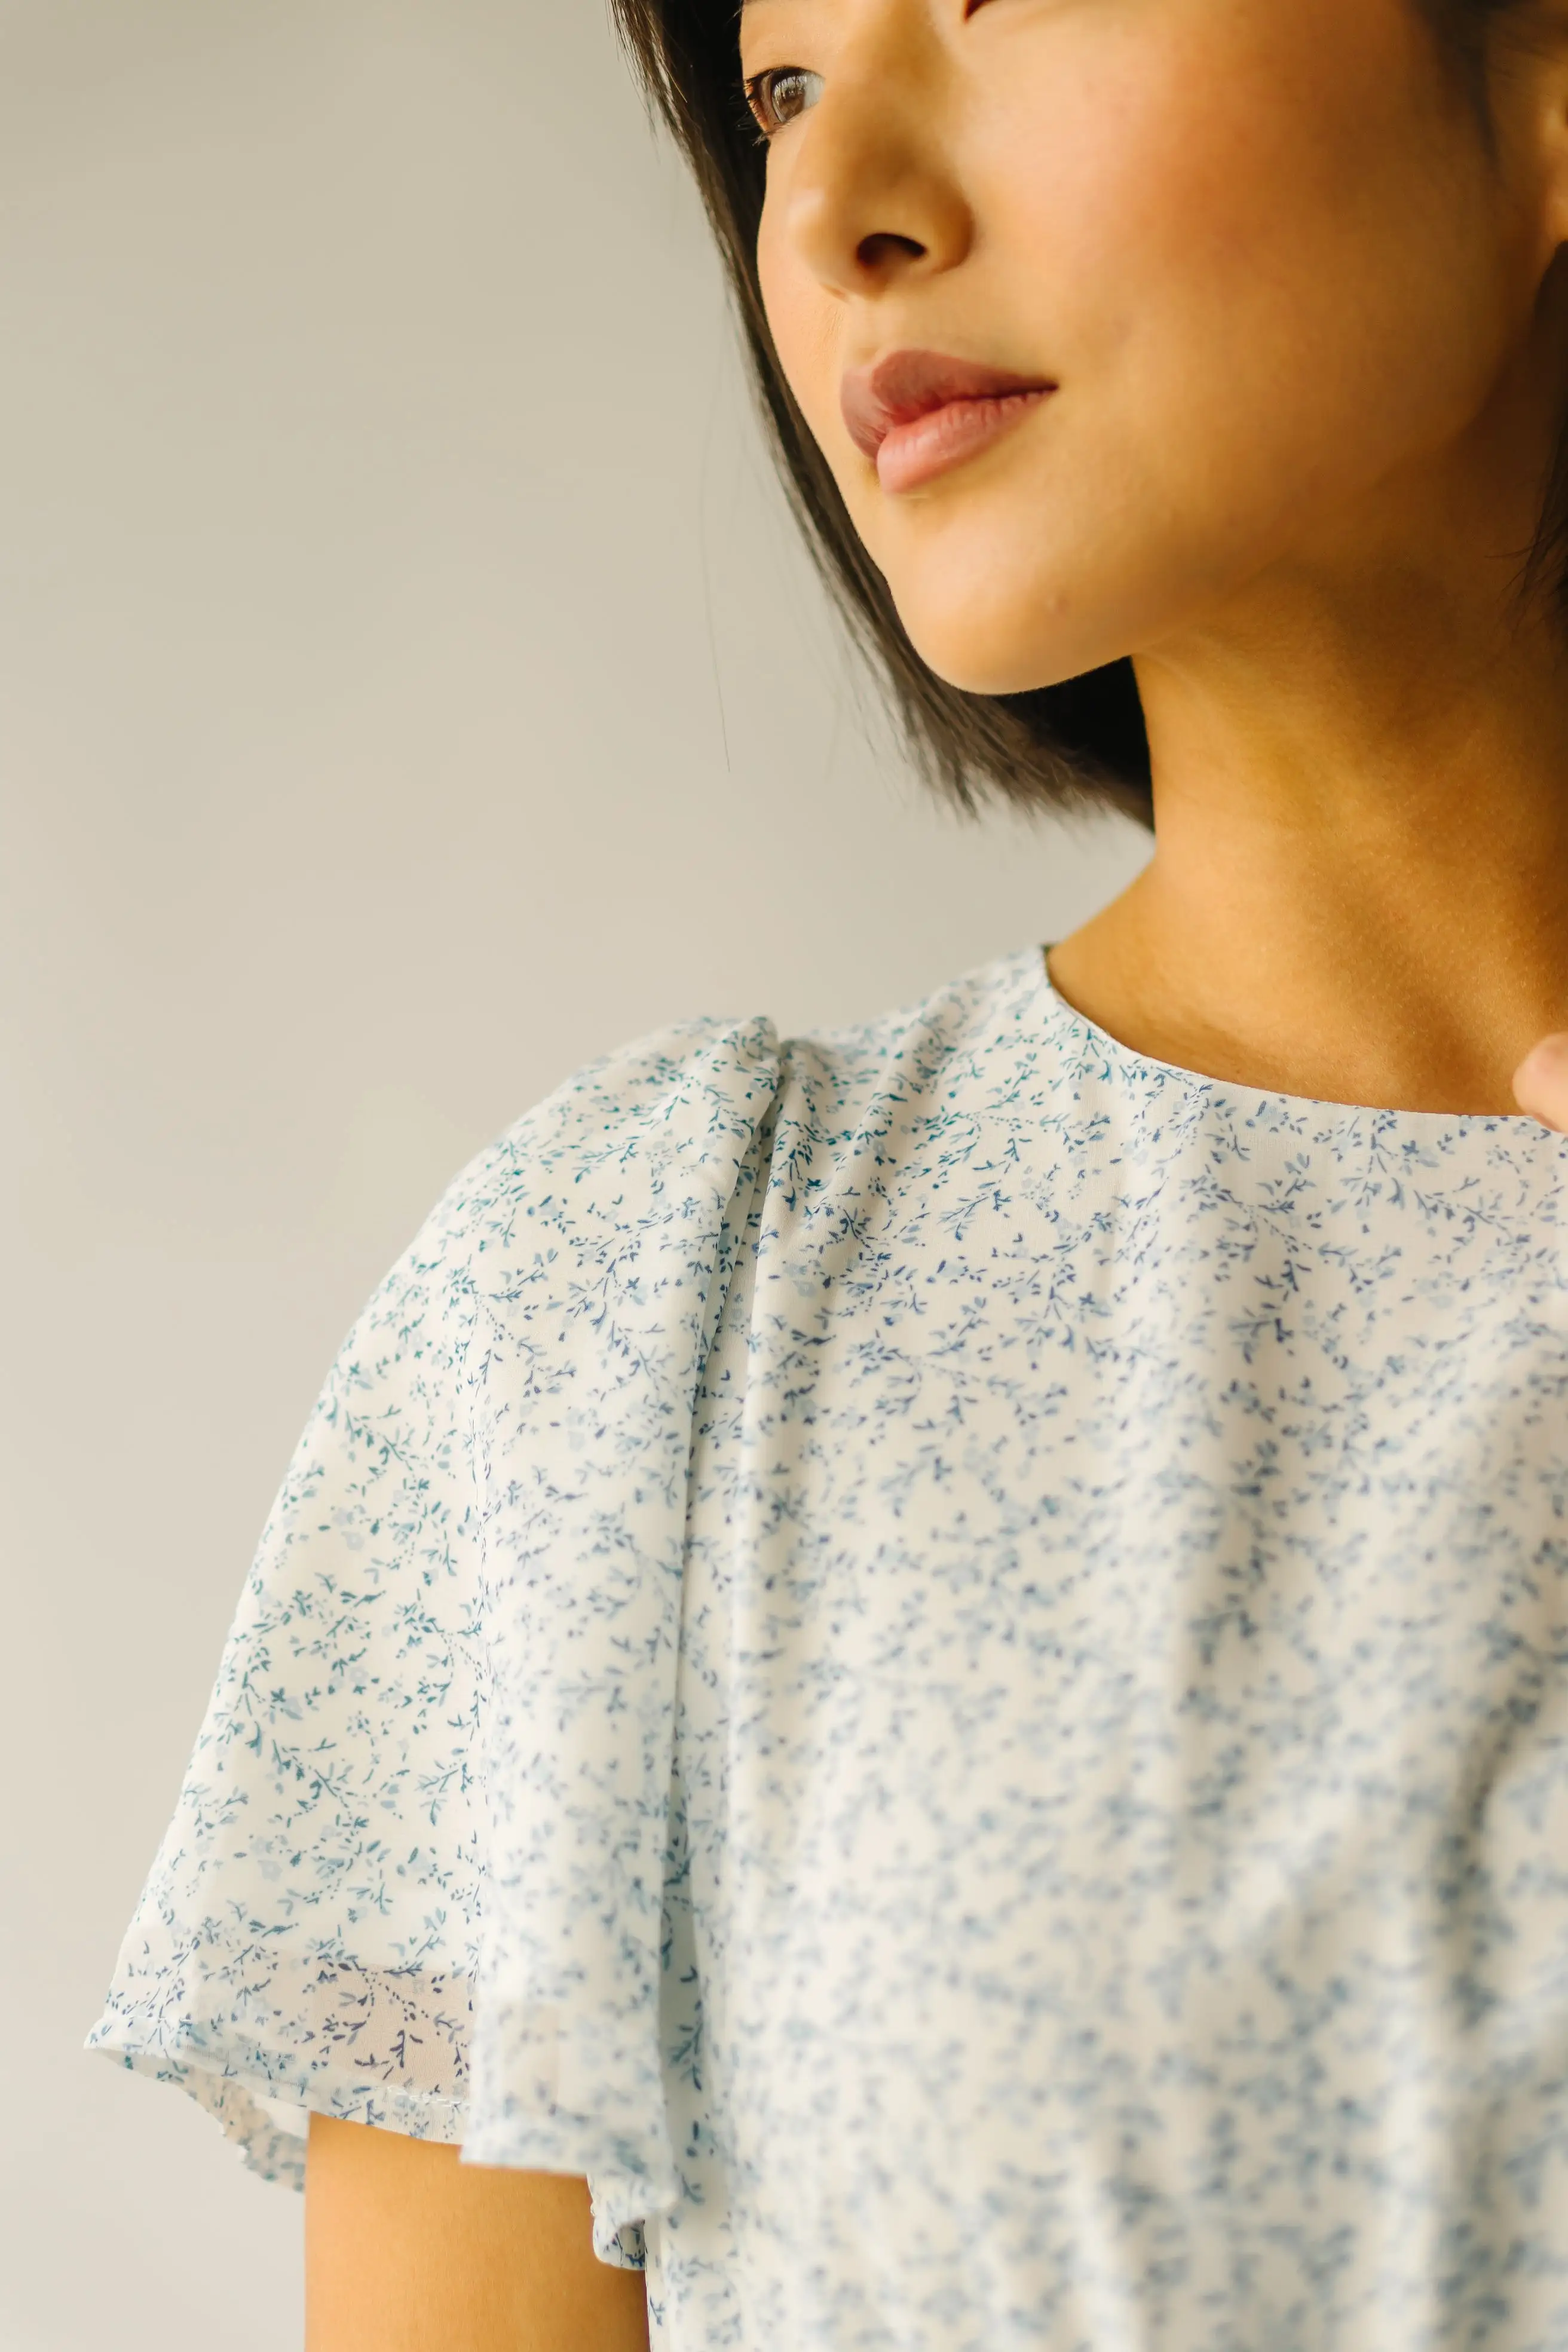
(976, 663)
(983, 631)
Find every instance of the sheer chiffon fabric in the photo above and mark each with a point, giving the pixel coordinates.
(416, 1876)
(939, 1653)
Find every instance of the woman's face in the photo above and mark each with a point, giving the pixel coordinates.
(1243, 271)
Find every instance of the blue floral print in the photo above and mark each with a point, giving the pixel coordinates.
(939, 1653)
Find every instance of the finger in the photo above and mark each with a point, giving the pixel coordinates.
(1540, 1083)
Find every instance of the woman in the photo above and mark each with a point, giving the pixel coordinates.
(937, 1657)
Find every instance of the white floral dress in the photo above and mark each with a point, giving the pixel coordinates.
(939, 1653)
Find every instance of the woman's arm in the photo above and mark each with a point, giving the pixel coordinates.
(408, 2251)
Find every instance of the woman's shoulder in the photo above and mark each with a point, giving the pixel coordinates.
(480, 1535)
(647, 1138)
(639, 1151)
(691, 1094)
(991, 1007)
(860, 1098)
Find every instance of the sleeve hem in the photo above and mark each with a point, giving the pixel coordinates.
(249, 2091)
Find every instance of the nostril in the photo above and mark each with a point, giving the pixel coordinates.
(884, 245)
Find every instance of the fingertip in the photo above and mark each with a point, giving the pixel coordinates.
(1540, 1082)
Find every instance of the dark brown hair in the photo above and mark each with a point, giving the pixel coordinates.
(1076, 744)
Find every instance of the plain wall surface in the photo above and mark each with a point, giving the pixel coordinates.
(409, 688)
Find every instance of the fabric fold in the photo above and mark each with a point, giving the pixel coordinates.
(415, 1872)
(582, 1402)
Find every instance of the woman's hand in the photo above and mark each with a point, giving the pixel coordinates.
(1540, 1082)
(408, 2251)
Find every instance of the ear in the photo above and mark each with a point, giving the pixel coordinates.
(1527, 74)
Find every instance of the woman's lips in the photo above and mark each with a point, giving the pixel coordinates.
(918, 413)
(911, 453)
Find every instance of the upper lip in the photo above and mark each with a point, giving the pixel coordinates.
(907, 384)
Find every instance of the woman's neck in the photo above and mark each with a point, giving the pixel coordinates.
(1359, 888)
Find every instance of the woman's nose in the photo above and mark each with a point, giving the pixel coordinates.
(871, 194)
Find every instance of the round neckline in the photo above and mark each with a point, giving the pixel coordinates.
(1147, 1064)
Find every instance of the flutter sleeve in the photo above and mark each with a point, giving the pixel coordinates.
(416, 1873)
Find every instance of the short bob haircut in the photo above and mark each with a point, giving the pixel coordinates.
(1078, 744)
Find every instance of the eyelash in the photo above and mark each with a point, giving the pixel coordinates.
(759, 98)
(758, 89)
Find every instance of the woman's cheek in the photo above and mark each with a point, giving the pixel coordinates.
(806, 323)
(1105, 209)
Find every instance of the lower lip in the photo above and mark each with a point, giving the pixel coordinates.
(933, 444)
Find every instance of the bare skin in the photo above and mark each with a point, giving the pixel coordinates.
(1309, 336)
(407, 2250)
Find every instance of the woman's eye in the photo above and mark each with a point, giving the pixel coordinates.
(776, 97)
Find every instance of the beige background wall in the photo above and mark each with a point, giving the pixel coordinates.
(409, 688)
